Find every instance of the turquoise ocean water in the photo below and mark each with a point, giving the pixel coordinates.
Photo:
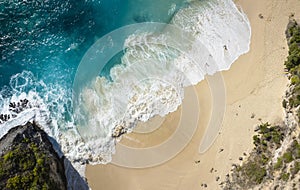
(49, 38)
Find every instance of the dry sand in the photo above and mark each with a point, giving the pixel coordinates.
(255, 85)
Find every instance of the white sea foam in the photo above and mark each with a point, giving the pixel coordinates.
(217, 23)
(148, 82)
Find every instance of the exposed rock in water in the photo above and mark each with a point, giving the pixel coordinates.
(118, 131)
(28, 160)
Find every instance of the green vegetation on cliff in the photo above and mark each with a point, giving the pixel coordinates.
(256, 169)
(293, 62)
(28, 161)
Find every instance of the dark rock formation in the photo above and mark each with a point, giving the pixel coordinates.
(28, 160)
(15, 108)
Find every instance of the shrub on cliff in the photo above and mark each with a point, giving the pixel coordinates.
(293, 34)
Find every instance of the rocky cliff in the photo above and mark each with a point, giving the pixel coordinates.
(28, 160)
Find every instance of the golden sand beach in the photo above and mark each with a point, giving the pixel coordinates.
(255, 85)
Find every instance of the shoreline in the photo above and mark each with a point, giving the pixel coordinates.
(253, 83)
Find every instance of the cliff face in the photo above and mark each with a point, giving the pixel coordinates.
(28, 160)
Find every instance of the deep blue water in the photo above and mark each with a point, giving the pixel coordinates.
(49, 37)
